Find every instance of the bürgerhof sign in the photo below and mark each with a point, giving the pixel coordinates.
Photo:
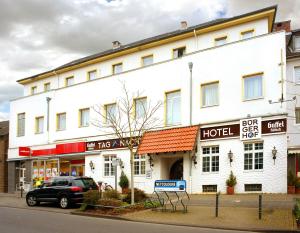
(250, 128)
(170, 185)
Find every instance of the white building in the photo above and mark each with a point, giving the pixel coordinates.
(238, 66)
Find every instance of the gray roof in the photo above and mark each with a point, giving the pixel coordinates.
(4, 128)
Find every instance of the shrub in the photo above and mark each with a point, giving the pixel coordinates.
(231, 181)
(139, 196)
(296, 210)
(151, 204)
(110, 202)
(111, 194)
(291, 179)
(91, 197)
(124, 182)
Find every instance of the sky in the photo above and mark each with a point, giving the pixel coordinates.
(39, 35)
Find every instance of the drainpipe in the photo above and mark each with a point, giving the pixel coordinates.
(191, 118)
(48, 99)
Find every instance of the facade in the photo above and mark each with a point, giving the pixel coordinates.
(4, 125)
(218, 83)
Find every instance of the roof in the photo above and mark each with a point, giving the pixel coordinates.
(4, 128)
(271, 11)
(169, 140)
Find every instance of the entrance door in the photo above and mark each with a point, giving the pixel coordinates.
(176, 171)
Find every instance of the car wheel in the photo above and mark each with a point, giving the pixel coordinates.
(31, 200)
(64, 202)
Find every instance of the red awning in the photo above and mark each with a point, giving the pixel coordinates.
(169, 140)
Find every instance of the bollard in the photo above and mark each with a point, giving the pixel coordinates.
(259, 206)
(22, 192)
(217, 204)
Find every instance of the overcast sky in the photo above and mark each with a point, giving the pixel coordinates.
(38, 35)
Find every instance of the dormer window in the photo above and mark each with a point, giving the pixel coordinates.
(297, 43)
(179, 52)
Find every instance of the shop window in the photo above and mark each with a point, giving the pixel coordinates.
(220, 40)
(109, 169)
(117, 68)
(147, 60)
(297, 115)
(39, 125)
(139, 165)
(61, 121)
(110, 113)
(173, 108)
(247, 34)
(179, 52)
(253, 187)
(210, 94)
(69, 81)
(47, 87)
(21, 125)
(140, 109)
(253, 156)
(209, 188)
(33, 90)
(84, 115)
(253, 87)
(297, 74)
(210, 159)
(92, 75)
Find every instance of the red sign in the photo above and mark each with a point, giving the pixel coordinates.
(24, 151)
(43, 152)
(68, 148)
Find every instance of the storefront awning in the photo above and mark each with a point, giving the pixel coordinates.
(169, 140)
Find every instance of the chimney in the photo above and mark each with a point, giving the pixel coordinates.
(285, 25)
(116, 44)
(183, 25)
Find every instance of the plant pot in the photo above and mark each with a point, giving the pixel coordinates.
(230, 190)
(125, 190)
(297, 190)
(291, 190)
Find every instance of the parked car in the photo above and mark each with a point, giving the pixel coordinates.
(64, 190)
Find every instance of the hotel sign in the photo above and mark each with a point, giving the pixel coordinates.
(107, 144)
(247, 129)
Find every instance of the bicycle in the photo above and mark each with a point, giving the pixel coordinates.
(104, 186)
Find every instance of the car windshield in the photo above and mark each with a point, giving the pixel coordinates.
(85, 182)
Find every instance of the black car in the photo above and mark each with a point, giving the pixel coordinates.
(64, 190)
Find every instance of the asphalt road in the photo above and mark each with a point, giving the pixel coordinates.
(15, 220)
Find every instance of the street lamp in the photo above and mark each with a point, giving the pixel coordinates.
(274, 153)
(230, 157)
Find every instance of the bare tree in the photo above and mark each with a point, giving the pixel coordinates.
(127, 122)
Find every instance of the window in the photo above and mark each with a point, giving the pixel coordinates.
(220, 40)
(253, 187)
(110, 112)
(297, 74)
(47, 87)
(253, 87)
(109, 169)
(247, 34)
(21, 125)
(69, 81)
(173, 108)
(179, 52)
(253, 156)
(84, 117)
(210, 159)
(147, 60)
(209, 188)
(297, 115)
(140, 108)
(92, 75)
(139, 165)
(210, 94)
(297, 42)
(39, 125)
(61, 121)
(33, 90)
(117, 68)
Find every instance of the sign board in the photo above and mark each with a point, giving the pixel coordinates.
(274, 126)
(24, 151)
(224, 131)
(170, 185)
(250, 128)
(107, 144)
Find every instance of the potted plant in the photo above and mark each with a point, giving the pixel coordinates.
(231, 182)
(124, 183)
(292, 180)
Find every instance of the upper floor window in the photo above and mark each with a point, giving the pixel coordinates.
(297, 115)
(210, 94)
(139, 164)
(297, 42)
(21, 125)
(84, 115)
(253, 156)
(39, 125)
(253, 87)
(61, 121)
(247, 34)
(179, 52)
(140, 107)
(110, 112)
(117, 68)
(297, 74)
(47, 87)
(69, 81)
(173, 108)
(147, 60)
(33, 90)
(220, 40)
(210, 159)
(92, 75)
